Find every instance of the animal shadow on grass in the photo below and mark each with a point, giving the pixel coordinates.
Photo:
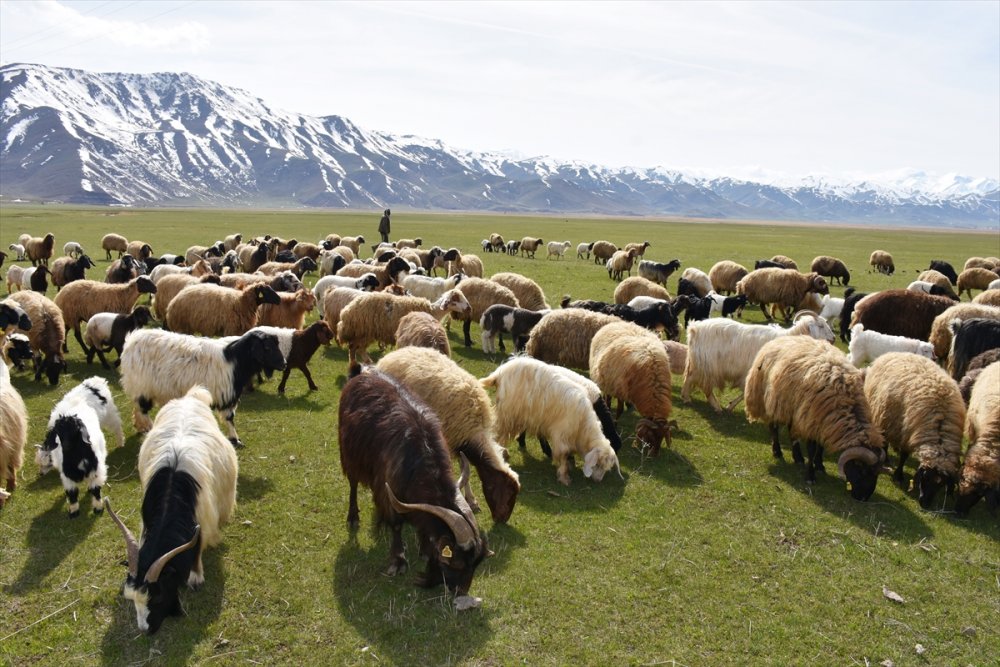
(253, 488)
(51, 538)
(541, 491)
(123, 461)
(724, 422)
(179, 635)
(267, 399)
(390, 612)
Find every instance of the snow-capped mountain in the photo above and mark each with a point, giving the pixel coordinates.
(170, 139)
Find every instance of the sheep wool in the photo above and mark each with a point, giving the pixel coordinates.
(290, 313)
(114, 243)
(940, 334)
(981, 470)
(990, 297)
(82, 299)
(563, 337)
(975, 278)
(782, 287)
(635, 286)
(212, 310)
(725, 274)
(13, 433)
(937, 278)
(603, 250)
(529, 294)
(422, 330)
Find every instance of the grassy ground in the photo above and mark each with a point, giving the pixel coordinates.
(711, 554)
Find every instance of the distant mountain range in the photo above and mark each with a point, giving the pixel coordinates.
(175, 139)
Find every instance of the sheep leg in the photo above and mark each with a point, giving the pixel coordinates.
(79, 339)
(465, 330)
(73, 497)
(686, 388)
(234, 438)
(503, 348)
(352, 510)
(140, 414)
(733, 403)
(775, 443)
(305, 371)
(815, 461)
(521, 441)
(545, 447)
(397, 557)
(197, 576)
(621, 407)
(100, 355)
(284, 379)
(562, 471)
(897, 475)
(95, 499)
(113, 422)
(797, 452)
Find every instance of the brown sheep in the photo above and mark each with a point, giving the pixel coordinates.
(529, 245)
(603, 250)
(170, 286)
(481, 294)
(786, 262)
(212, 310)
(831, 267)
(725, 274)
(39, 250)
(975, 278)
(47, 335)
(529, 293)
(422, 330)
(882, 262)
(937, 278)
(563, 337)
(900, 312)
(290, 313)
(783, 287)
(82, 299)
(114, 242)
(469, 265)
(635, 286)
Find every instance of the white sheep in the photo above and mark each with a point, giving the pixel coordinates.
(13, 433)
(868, 345)
(430, 288)
(832, 307)
(18, 249)
(72, 249)
(557, 249)
(583, 250)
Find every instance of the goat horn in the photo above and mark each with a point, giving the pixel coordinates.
(156, 568)
(863, 453)
(131, 546)
(795, 317)
(457, 524)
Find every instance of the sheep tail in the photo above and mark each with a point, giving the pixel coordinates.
(201, 393)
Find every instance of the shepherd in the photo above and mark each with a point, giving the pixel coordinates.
(383, 226)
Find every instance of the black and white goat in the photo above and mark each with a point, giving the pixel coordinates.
(500, 318)
(107, 331)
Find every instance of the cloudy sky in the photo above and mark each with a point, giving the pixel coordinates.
(745, 89)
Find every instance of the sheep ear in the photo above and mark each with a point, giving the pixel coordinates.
(588, 463)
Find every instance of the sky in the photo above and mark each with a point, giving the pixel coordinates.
(746, 89)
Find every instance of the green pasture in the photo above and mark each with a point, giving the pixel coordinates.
(711, 554)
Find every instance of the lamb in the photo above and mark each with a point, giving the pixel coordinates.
(158, 366)
(114, 242)
(831, 267)
(470, 265)
(39, 250)
(65, 270)
(422, 330)
(374, 317)
(724, 275)
(13, 433)
(867, 346)
(34, 278)
(583, 249)
(628, 363)
(73, 249)
(299, 267)
(900, 312)
(330, 262)
(831, 307)
(919, 411)
(563, 337)
(786, 262)
(430, 288)
(188, 474)
(15, 274)
(810, 387)
(140, 250)
(940, 334)
(635, 286)
(621, 263)
(945, 269)
(513, 247)
(82, 299)
(557, 249)
(782, 287)
(74, 444)
(18, 250)
(980, 476)
(107, 331)
(390, 273)
(939, 279)
(970, 338)
(353, 243)
(123, 270)
(658, 272)
(290, 312)
(529, 245)
(301, 346)
(720, 352)
(990, 297)
(529, 293)
(481, 294)
(212, 310)
(975, 278)
(699, 283)
(734, 305)
(532, 396)
(500, 318)
(640, 248)
(882, 262)
(47, 334)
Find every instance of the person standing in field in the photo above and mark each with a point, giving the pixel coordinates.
(383, 226)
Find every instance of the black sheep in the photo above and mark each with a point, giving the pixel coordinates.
(945, 269)
(970, 338)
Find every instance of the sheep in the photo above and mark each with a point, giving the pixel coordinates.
(12, 317)
(74, 443)
(392, 442)
(882, 262)
(334, 302)
(831, 307)
(810, 387)
(39, 250)
(188, 475)
(72, 249)
(972, 371)
(621, 262)
(767, 264)
(82, 299)
(352, 242)
(15, 349)
(529, 244)
(219, 265)
(640, 248)
(114, 242)
(481, 294)
(512, 247)
(583, 249)
(900, 312)
(782, 287)
(299, 267)
(557, 249)
(563, 337)
(734, 305)
(701, 309)
(140, 250)
(430, 288)
(367, 283)
(330, 262)
(867, 346)
(980, 476)
(496, 242)
(158, 366)
(231, 241)
(302, 345)
(990, 297)
(310, 250)
(831, 267)
(720, 352)
(500, 318)
(65, 270)
(724, 275)
(628, 363)
(529, 293)
(47, 334)
(409, 243)
(698, 280)
(929, 288)
(374, 317)
(107, 331)
(980, 263)
(282, 282)
(212, 310)
(123, 270)
(18, 249)
(332, 239)
(851, 299)
(658, 316)
(13, 433)
(196, 270)
(532, 396)
(975, 278)
(251, 257)
(470, 265)
(635, 286)
(945, 269)
(940, 333)
(15, 274)
(939, 279)
(994, 285)
(602, 251)
(677, 353)
(34, 279)
(290, 312)
(171, 285)
(422, 330)
(389, 273)
(969, 338)
(196, 252)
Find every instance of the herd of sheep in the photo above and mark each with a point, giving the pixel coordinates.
(235, 310)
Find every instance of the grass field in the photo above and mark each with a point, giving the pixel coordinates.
(711, 554)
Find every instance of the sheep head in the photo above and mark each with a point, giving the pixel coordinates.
(861, 466)
(818, 284)
(599, 460)
(928, 480)
(652, 432)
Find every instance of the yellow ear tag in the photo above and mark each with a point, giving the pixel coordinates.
(911, 485)
(849, 487)
(446, 552)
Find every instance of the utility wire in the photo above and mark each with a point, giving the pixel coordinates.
(60, 28)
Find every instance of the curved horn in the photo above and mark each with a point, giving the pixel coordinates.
(851, 453)
(795, 317)
(131, 546)
(156, 568)
(456, 523)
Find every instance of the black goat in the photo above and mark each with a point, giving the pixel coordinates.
(768, 264)
(734, 305)
(851, 299)
(656, 271)
(945, 269)
(38, 281)
(970, 338)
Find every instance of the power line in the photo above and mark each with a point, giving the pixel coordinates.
(63, 27)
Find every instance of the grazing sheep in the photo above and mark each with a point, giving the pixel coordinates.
(334, 302)
(980, 263)
(602, 251)
(500, 318)
(39, 250)
(18, 249)
(621, 263)
(65, 270)
(529, 245)
(723, 276)
(72, 249)
(366, 283)
(583, 249)
(140, 250)
(631, 365)
(657, 316)
(212, 310)
(161, 271)
(640, 248)
(310, 250)
(900, 312)
(13, 433)
(563, 337)
(696, 283)
(970, 338)
(467, 423)
(123, 270)
(945, 269)
(497, 244)
(784, 288)
(82, 299)
(389, 273)
(422, 330)
(973, 370)
(470, 265)
(12, 317)
(409, 243)
(529, 293)
(557, 249)
(975, 278)
(919, 411)
(107, 331)
(931, 288)
(47, 334)
(980, 476)
(481, 294)
(867, 346)
(767, 264)
(353, 243)
(831, 267)
(882, 262)
(303, 344)
(114, 242)
(430, 288)
(720, 352)
(990, 297)
(231, 241)
(299, 267)
(786, 262)
(534, 397)
(940, 334)
(290, 312)
(810, 387)
(658, 272)
(940, 280)
(630, 288)
(282, 282)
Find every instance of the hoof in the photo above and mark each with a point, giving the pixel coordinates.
(236, 443)
(98, 510)
(396, 568)
(195, 581)
(353, 524)
(75, 514)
